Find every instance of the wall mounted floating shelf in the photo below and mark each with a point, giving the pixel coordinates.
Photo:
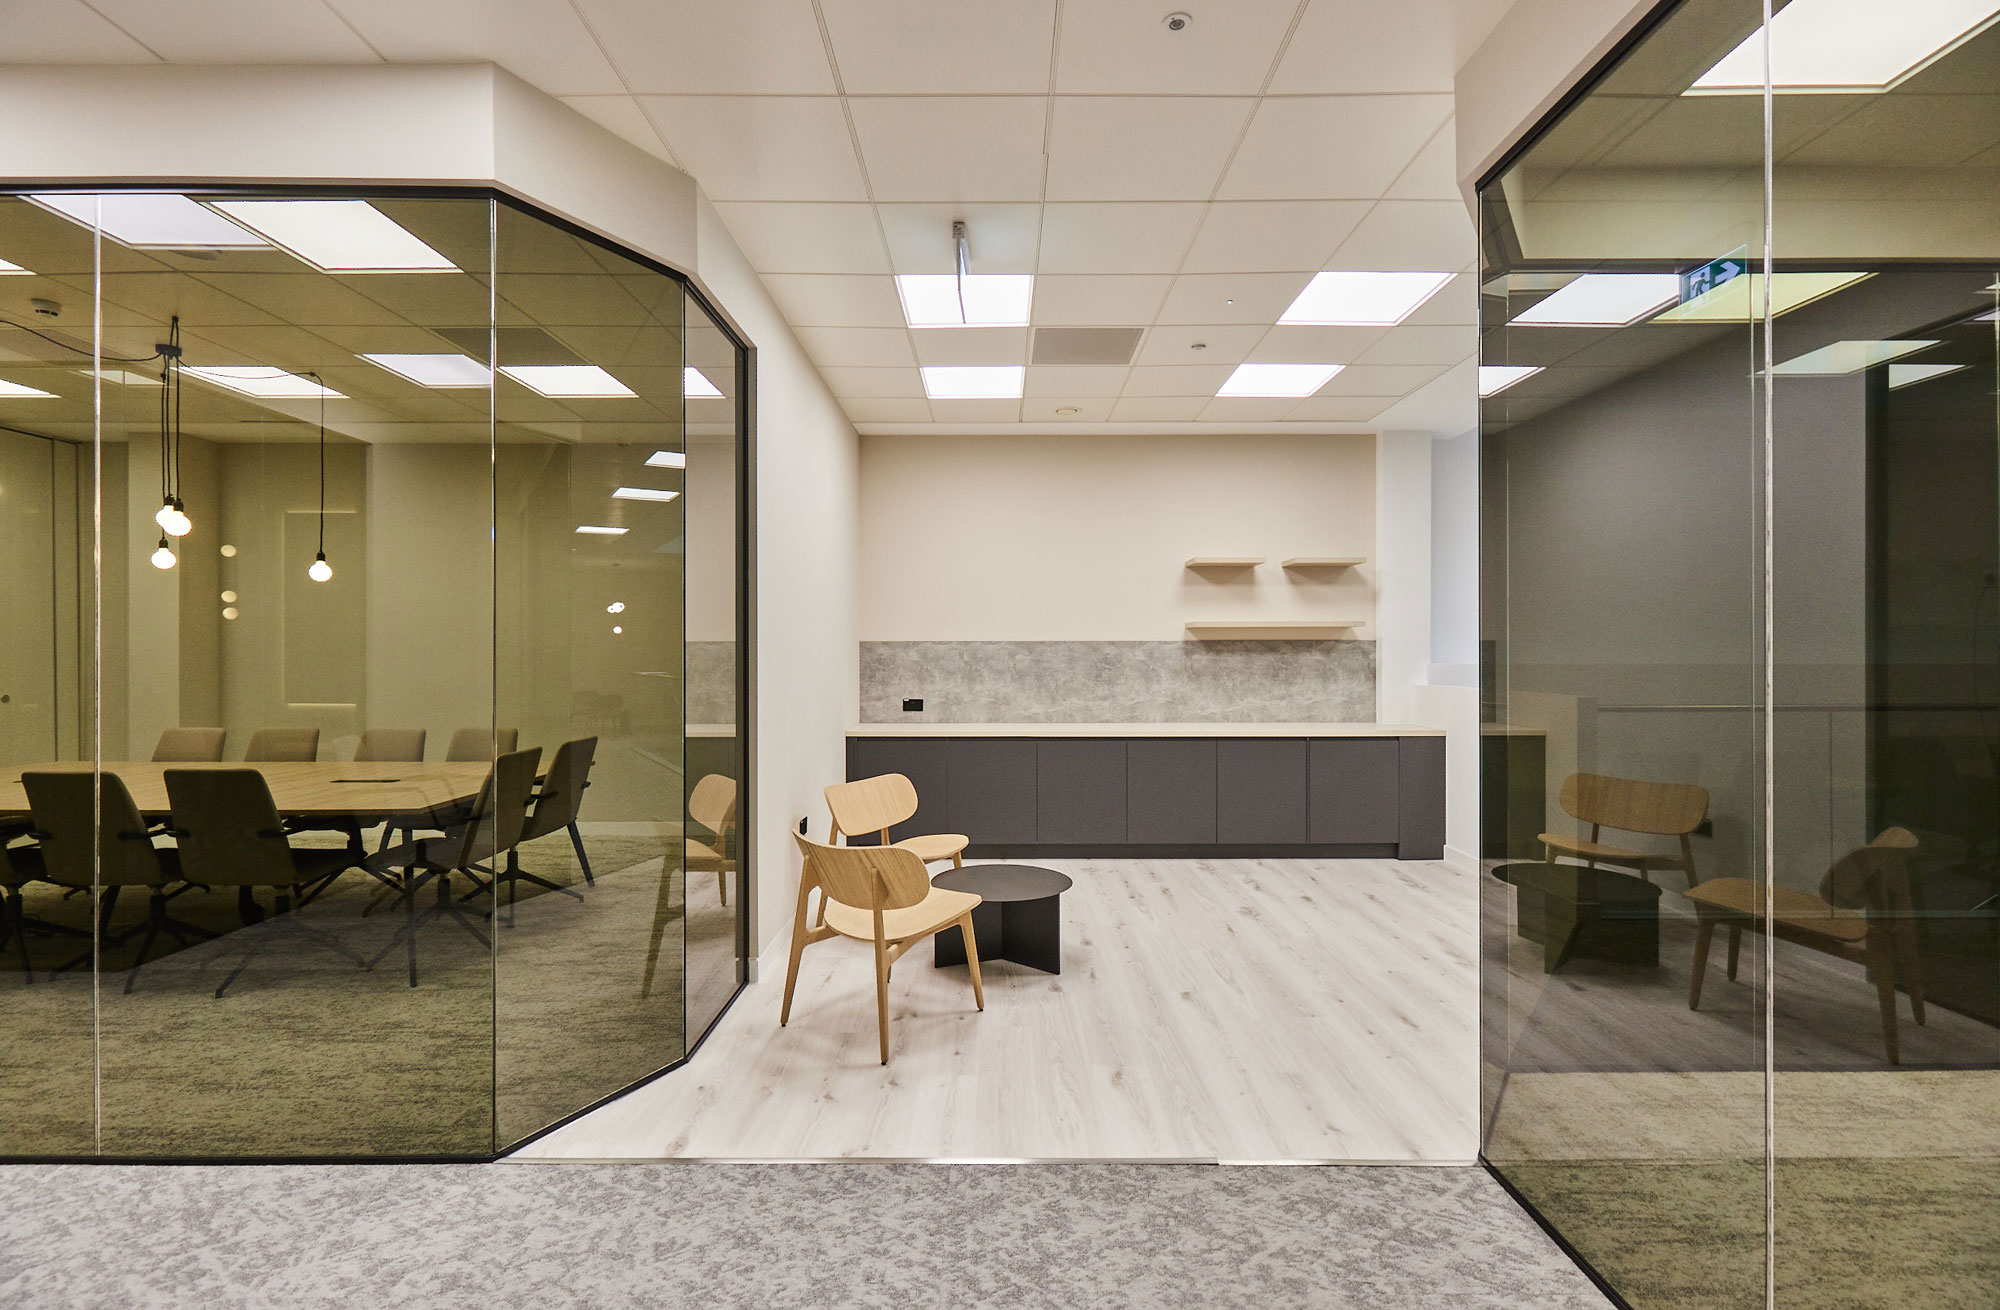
(1273, 630)
(1325, 561)
(1225, 561)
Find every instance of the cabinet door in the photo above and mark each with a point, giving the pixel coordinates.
(1260, 793)
(1170, 793)
(992, 791)
(1353, 791)
(1420, 799)
(1080, 792)
(922, 762)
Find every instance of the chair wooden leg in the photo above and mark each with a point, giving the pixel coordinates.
(798, 949)
(1908, 965)
(881, 987)
(1703, 935)
(662, 911)
(1735, 947)
(972, 958)
(1882, 967)
(722, 887)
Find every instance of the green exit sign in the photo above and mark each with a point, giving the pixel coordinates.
(1698, 282)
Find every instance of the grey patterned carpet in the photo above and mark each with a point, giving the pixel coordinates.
(606, 1236)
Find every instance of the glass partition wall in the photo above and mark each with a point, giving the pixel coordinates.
(1741, 954)
(353, 535)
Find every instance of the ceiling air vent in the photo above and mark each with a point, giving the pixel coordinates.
(1093, 345)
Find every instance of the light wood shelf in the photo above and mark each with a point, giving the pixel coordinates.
(1225, 561)
(1273, 629)
(1325, 561)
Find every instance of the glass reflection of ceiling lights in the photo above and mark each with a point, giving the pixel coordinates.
(698, 387)
(974, 381)
(599, 530)
(262, 381)
(123, 377)
(667, 459)
(568, 381)
(1357, 299)
(1905, 375)
(1741, 300)
(337, 236)
(152, 220)
(1847, 46)
(20, 391)
(644, 493)
(1281, 381)
(1603, 300)
(934, 300)
(1496, 378)
(442, 371)
(1843, 357)
(13, 270)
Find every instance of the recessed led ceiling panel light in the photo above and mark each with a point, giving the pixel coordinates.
(338, 236)
(643, 493)
(567, 381)
(261, 381)
(153, 221)
(1603, 300)
(1362, 299)
(1741, 300)
(1844, 357)
(1903, 375)
(1283, 380)
(600, 530)
(15, 391)
(931, 300)
(13, 270)
(435, 370)
(123, 377)
(697, 387)
(1496, 378)
(974, 381)
(1846, 46)
(667, 459)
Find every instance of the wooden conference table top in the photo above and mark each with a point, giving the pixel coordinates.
(322, 787)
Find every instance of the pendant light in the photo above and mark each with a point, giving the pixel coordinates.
(319, 570)
(163, 558)
(172, 516)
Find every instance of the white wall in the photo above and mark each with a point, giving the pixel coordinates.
(1067, 538)
(1403, 545)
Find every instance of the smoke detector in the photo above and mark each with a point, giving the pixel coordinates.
(1177, 22)
(46, 308)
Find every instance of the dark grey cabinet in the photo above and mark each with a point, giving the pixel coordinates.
(1260, 797)
(991, 791)
(1080, 793)
(1170, 793)
(1420, 798)
(922, 761)
(1353, 789)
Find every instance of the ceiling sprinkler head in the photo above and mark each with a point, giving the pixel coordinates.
(1176, 22)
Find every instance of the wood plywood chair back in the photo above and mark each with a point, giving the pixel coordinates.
(868, 877)
(1658, 809)
(871, 804)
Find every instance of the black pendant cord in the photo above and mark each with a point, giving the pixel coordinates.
(174, 338)
(321, 384)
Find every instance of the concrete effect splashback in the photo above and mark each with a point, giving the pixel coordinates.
(1119, 681)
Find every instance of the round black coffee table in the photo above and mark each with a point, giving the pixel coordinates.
(1018, 918)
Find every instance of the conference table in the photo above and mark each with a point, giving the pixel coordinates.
(316, 789)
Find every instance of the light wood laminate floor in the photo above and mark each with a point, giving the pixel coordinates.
(1235, 1010)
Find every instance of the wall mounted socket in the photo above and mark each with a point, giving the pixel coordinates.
(912, 704)
(802, 826)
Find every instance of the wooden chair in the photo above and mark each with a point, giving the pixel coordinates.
(1661, 809)
(190, 746)
(1864, 915)
(877, 894)
(879, 804)
(712, 804)
(273, 745)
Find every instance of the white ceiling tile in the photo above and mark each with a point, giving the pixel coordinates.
(1433, 174)
(1116, 238)
(971, 345)
(1380, 379)
(852, 347)
(1340, 409)
(1116, 300)
(1141, 147)
(1049, 409)
(542, 42)
(621, 116)
(1000, 238)
(1457, 302)
(874, 383)
(761, 147)
(921, 47)
(64, 32)
(230, 32)
(1334, 148)
(833, 300)
(1427, 235)
(696, 47)
(951, 148)
(1314, 345)
(1075, 380)
(1203, 380)
(1272, 236)
(1348, 47)
(1158, 409)
(1247, 409)
(1122, 47)
(807, 238)
(861, 410)
(1421, 345)
(975, 411)
(1207, 297)
(1223, 345)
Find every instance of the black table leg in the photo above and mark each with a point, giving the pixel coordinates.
(988, 925)
(1023, 932)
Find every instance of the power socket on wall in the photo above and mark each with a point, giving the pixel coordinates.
(913, 704)
(802, 826)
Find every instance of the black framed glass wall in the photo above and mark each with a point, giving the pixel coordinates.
(1746, 671)
(383, 655)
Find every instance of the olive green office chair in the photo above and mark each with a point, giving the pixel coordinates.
(557, 801)
(190, 746)
(282, 746)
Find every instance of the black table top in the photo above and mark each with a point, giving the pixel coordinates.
(1576, 881)
(1004, 882)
